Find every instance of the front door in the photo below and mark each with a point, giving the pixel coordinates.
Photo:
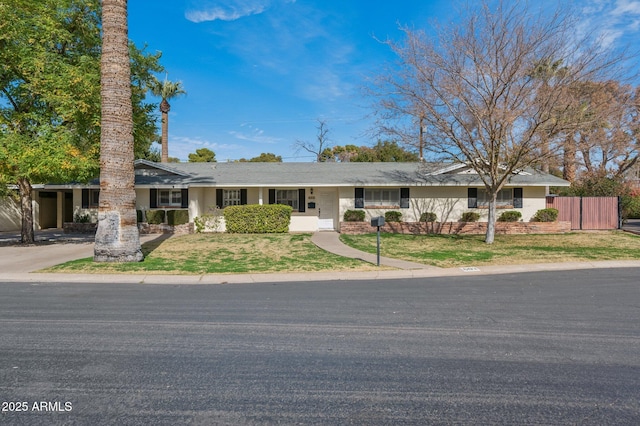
(326, 211)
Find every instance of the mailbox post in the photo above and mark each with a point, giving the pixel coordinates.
(378, 222)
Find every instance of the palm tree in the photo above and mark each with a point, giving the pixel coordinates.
(166, 90)
(117, 238)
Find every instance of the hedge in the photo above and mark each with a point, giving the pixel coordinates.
(177, 217)
(354, 216)
(393, 216)
(257, 218)
(470, 217)
(155, 217)
(545, 215)
(510, 216)
(428, 217)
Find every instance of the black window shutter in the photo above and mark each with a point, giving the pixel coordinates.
(153, 198)
(85, 198)
(184, 198)
(472, 195)
(219, 198)
(404, 198)
(359, 195)
(272, 196)
(517, 198)
(302, 200)
(243, 197)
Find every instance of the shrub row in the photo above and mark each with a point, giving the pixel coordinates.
(544, 215)
(257, 219)
(156, 217)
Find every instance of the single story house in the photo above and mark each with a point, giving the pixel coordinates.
(319, 193)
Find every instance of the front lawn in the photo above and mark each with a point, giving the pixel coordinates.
(448, 251)
(225, 253)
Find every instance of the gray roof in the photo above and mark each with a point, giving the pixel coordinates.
(321, 174)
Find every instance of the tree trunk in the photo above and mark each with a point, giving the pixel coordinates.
(491, 219)
(569, 160)
(165, 137)
(117, 237)
(26, 206)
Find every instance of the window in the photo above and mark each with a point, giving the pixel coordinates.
(170, 197)
(231, 197)
(295, 198)
(90, 198)
(506, 198)
(381, 197)
(287, 197)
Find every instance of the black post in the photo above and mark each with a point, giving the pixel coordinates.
(378, 246)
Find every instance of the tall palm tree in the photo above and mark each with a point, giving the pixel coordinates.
(166, 90)
(117, 237)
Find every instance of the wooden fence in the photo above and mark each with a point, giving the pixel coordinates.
(588, 213)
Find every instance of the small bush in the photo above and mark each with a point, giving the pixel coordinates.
(139, 216)
(177, 217)
(510, 216)
(257, 219)
(631, 206)
(470, 217)
(82, 218)
(428, 217)
(209, 222)
(354, 216)
(545, 215)
(393, 216)
(155, 217)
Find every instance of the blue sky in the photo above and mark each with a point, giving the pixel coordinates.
(260, 73)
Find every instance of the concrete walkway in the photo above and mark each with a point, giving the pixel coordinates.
(330, 241)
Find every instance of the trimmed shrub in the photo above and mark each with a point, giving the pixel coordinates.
(393, 216)
(510, 216)
(470, 217)
(257, 219)
(428, 217)
(155, 217)
(139, 216)
(354, 216)
(82, 218)
(545, 215)
(177, 217)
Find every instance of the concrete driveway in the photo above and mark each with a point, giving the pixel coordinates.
(52, 247)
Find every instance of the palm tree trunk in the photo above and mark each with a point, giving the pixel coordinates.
(26, 205)
(165, 137)
(117, 237)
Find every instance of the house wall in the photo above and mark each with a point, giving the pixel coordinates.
(448, 203)
(10, 215)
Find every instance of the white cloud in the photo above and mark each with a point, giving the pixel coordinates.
(218, 10)
(254, 134)
(181, 146)
(615, 20)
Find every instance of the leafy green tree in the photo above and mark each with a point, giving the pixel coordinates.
(202, 155)
(50, 95)
(265, 157)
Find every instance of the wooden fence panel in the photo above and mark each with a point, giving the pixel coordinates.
(599, 212)
(587, 213)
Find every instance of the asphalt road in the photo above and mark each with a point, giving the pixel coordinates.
(534, 348)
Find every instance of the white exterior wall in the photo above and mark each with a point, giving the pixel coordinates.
(448, 203)
(10, 215)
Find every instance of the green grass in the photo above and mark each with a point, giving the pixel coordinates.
(470, 250)
(224, 254)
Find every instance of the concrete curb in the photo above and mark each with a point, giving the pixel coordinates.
(35, 277)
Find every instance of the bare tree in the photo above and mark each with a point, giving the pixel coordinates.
(474, 86)
(321, 147)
